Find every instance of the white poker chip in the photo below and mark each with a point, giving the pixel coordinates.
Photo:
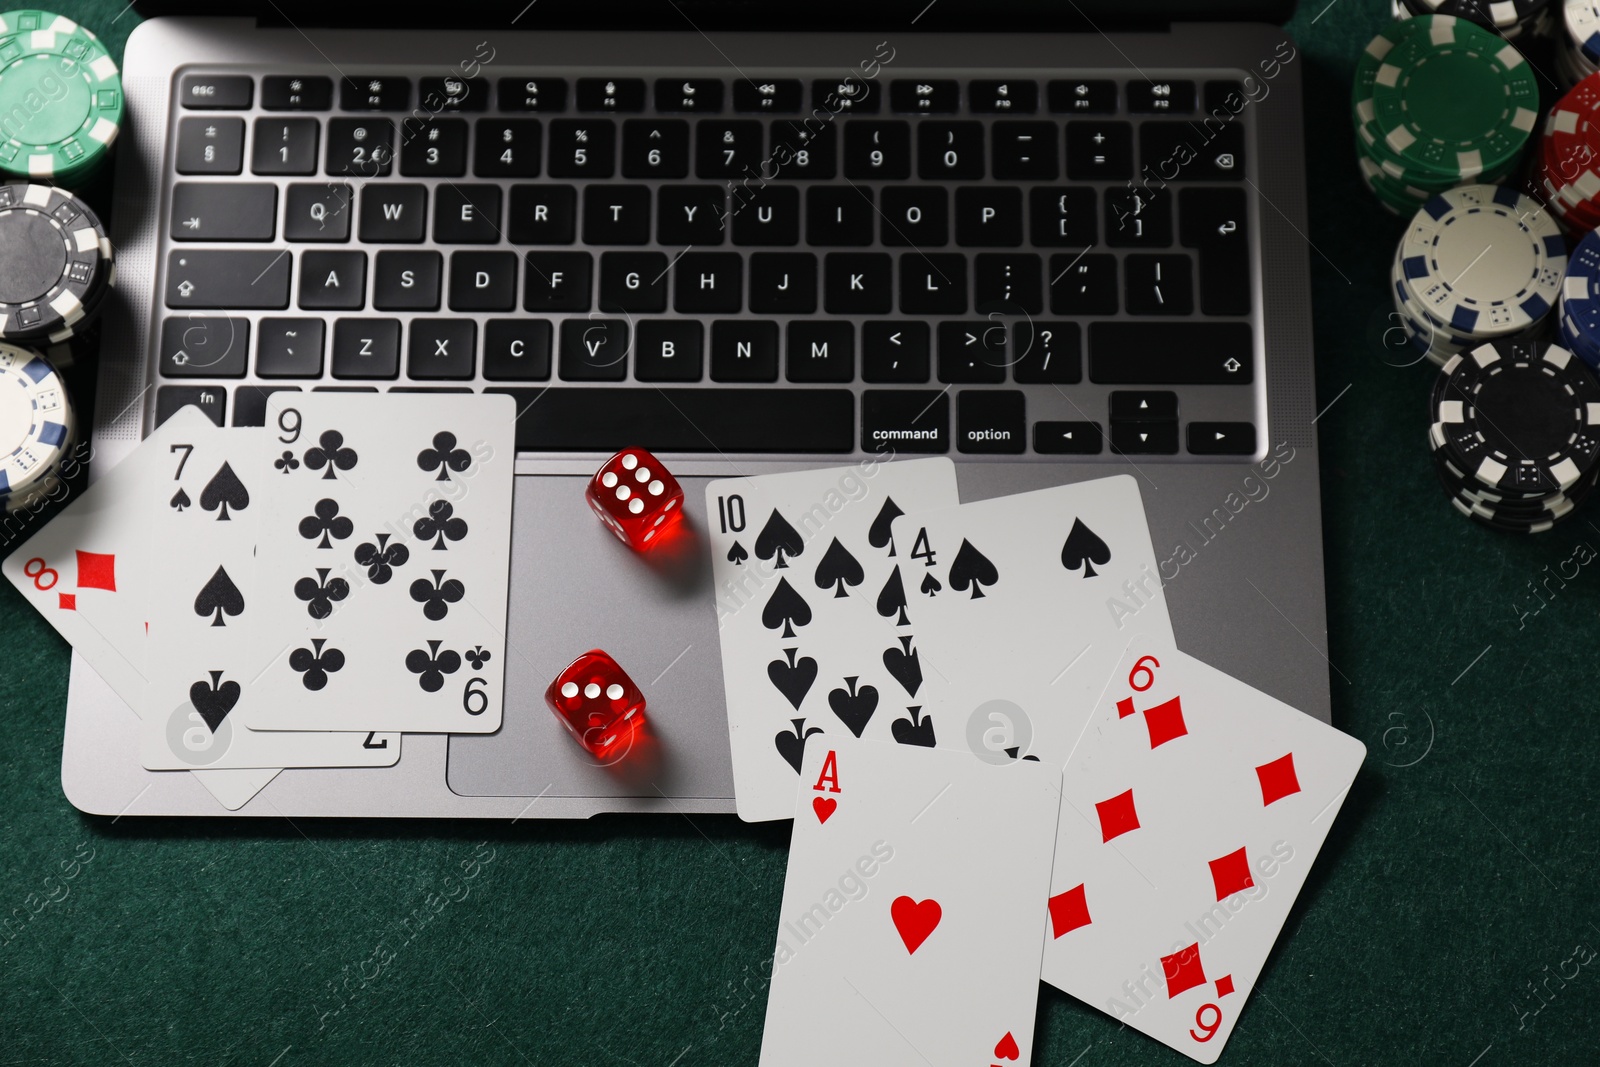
(36, 420)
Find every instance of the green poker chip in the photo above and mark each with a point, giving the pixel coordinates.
(60, 97)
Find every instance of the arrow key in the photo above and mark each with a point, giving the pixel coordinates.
(1138, 405)
(1144, 438)
(1067, 438)
(1222, 438)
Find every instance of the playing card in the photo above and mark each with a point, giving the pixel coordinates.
(1022, 605)
(913, 908)
(818, 634)
(207, 647)
(1193, 808)
(388, 527)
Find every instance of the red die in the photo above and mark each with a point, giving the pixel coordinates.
(598, 704)
(636, 497)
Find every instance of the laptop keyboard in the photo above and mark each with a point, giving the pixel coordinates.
(1005, 266)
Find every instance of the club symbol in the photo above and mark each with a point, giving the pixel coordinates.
(286, 462)
(444, 456)
(478, 657)
(382, 558)
(440, 524)
(437, 598)
(314, 665)
(321, 593)
(327, 521)
(330, 452)
(432, 665)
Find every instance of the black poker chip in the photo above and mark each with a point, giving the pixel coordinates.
(56, 264)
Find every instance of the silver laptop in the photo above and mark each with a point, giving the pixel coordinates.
(1052, 245)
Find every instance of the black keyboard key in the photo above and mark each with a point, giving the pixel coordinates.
(895, 353)
(216, 92)
(1099, 151)
(972, 352)
(668, 351)
(208, 398)
(1067, 438)
(441, 349)
(466, 214)
(1171, 353)
(250, 402)
(299, 92)
(557, 281)
(1084, 284)
(689, 94)
(217, 211)
(317, 211)
(594, 350)
(350, 389)
(407, 281)
(949, 151)
(633, 281)
(611, 94)
(988, 96)
(1144, 438)
(616, 215)
(1024, 151)
(933, 284)
(577, 419)
(1216, 222)
(877, 150)
(899, 421)
(1063, 216)
(821, 351)
(483, 281)
(1134, 405)
(289, 348)
(1046, 353)
(215, 278)
(1159, 285)
(380, 92)
(845, 96)
(708, 282)
(433, 148)
(516, 350)
(450, 93)
(392, 214)
(1092, 97)
(915, 217)
(1161, 97)
(333, 281)
(783, 283)
(533, 94)
(366, 349)
(204, 346)
(583, 148)
(690, 215)
(925, 97)
(1138, 218)
(284, 146)
(730, 149)
(838, 215)
(1184, 151)
(988, 216)
(858, 283)
(360, 148)
(744, 350)
(655, 148)
(210, 145)
(1007, 284)
(991, 422)
(542, 215)
(766, 215)
(506, 148)
(1222, 438)
(770, 96)
(802, 152)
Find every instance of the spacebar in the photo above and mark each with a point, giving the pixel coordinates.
(580, 419)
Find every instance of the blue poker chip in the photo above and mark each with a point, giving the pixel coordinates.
(1580, 300)
(36, 420)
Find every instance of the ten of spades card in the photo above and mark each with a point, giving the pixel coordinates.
(818, 625)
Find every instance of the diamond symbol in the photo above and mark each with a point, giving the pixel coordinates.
(1117, 815)
(1231, 874)
(1068, 911)
(1183, 970)
(1278, 779)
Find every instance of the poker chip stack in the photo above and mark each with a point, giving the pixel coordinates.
(61, 94)
(56, 265)
(1515, 433)
(38, 430)
(1578, 313)
(1567, 177)
(1579, 55)
(1513, 20)
(1479, 263)
(1439, 102)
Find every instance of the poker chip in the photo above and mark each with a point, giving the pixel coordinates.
(61, 94)
(56, 264)
(37, 425)
(1511, 19)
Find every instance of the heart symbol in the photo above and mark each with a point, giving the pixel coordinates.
(915, 920)
(1007, 1048)
(824, 807)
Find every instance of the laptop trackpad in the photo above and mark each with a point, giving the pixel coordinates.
(574, 587)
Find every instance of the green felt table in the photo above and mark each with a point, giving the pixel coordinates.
(1460, 875)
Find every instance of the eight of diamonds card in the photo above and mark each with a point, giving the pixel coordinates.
(387, 544)
(818, 632)
(913, 909)
(1193, 808)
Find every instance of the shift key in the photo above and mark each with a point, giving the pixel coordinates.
(228, 279)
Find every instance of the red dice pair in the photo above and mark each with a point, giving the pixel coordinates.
(598, 704)
(636, 497)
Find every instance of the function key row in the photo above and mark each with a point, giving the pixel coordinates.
(906, 96)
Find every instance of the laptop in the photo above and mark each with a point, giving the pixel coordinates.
(1052, 242)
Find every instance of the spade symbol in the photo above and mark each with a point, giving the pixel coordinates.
(180, 500)
(1083, 549)
(786, 609)
(793, 679)
(777, 539)
(893, 598)
(737, 555)
(1015, 750)
(973, 568)
(219, 597)
(214, 701)
(224, 491)
(838, 569)
(904, 665)
(854, 707)
(792, 745)
(915, 730)
(930, 585)
(879, 535)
